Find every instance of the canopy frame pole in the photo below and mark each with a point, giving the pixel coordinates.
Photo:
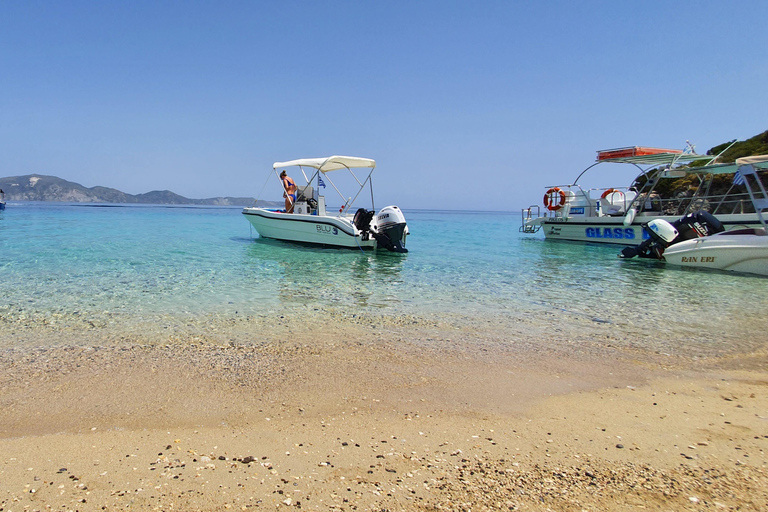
(305, 174)
(370, 182)
(362, 186)
(333, 185)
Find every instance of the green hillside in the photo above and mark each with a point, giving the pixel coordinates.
(720, 184)
(757, 145)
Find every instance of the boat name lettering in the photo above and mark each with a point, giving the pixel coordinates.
(325, 229)
(695, 259)
(577, 211)
(624, 233)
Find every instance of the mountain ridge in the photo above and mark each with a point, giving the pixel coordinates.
(41, 187)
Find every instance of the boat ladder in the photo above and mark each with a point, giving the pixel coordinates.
(528, 216)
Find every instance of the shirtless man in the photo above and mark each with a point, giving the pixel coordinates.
(289, 193)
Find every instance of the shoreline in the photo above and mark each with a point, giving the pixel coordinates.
(356, 423)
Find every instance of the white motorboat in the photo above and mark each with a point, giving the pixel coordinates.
(616, 215)
(310, 222)
(700, 241)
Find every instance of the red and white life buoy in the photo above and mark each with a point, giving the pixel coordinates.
(554, 199)
(611, 191)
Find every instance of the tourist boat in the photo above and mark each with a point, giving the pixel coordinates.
(2, 200)
(616, 215)
(311, 222)
(699, 240)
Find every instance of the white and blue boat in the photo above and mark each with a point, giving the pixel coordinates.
(576, 212)
(311, 222)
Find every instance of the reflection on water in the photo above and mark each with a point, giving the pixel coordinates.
(330, 276)
(66, 267)
(655, 303)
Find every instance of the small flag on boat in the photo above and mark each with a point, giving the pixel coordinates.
(320, 182)
(738, 179)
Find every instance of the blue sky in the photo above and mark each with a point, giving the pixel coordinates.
(464, 105)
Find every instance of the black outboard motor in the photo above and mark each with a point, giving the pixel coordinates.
(362, 221)
(663, 234)
(389, 228)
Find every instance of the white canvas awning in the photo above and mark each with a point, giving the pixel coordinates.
(331, 163)
(760, 161)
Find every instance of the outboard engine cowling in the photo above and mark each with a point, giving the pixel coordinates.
(390, 229)
(661, 231)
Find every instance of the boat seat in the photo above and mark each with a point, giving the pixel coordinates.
(304, 193)
(616, 203)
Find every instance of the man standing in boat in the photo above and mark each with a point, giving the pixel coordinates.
(289, 193)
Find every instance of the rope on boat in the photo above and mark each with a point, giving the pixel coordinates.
(358, 245)
(262, 189)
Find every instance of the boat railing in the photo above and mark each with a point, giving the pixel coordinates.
(718, 204)
(599, 202)
(529, 215)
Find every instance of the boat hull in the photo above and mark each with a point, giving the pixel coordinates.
(612, 230)
(738, 253)
(312, 229)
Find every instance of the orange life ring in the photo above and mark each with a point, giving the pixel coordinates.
(551, 200)
(609, 192)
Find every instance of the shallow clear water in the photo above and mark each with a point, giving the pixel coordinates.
(129, 266)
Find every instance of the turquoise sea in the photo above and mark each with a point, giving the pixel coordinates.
(84, 273)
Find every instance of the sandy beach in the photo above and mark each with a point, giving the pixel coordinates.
(403, 419)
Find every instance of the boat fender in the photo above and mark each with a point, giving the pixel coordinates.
(554, 199)
(629, 217)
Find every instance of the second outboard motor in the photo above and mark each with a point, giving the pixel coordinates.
(696, 225)
(362, 222)
(663, 234)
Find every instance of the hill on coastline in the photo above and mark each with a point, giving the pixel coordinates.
(718, 184)
(38, 187)
(757, 145)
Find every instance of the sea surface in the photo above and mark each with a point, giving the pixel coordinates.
(102, 273)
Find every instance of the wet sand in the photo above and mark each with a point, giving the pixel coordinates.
(402, 418)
